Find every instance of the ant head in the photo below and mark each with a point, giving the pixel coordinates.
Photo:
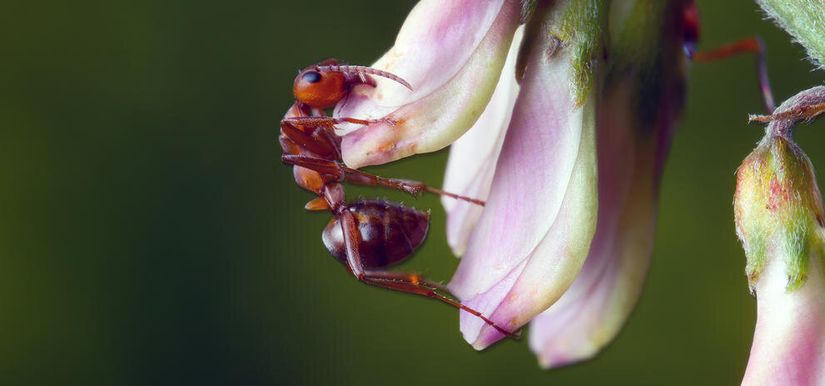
(319, 88)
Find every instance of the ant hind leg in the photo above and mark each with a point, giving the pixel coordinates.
(397, 281)
(415, 284)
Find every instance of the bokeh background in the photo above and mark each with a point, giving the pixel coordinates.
(149, 234)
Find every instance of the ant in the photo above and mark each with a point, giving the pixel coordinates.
(367, 236)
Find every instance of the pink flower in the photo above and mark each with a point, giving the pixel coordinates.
(535, 231)
(569, 134)
(452, 53)
(631, 150)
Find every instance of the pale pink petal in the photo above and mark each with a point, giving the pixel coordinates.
(632, 146)
(473, 157)
(452, 53)
(536, 229)
(595, 307)
(789, 340)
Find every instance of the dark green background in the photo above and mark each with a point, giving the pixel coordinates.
(150, 234)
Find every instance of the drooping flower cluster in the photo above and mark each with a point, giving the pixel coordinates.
(564, 126)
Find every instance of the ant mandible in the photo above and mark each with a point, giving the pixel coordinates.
(367, 236)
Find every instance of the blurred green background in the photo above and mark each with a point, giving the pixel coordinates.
(151, 236)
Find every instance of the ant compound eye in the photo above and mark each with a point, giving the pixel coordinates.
(319, 89)
(312, 76)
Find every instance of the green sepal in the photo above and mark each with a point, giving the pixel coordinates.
(778, 209)
(582, 28)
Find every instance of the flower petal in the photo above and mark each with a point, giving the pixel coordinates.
(536, 229)
(789, 340)
(452, 53)
(639, 106)
(595, 307)
(473, 157)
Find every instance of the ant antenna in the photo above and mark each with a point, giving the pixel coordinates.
(361, 70)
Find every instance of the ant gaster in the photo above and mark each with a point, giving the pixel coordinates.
(367, 236)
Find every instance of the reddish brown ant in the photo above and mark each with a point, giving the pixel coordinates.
(367, 236)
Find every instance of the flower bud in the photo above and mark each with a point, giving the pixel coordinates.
(778, 208)
(779, 219)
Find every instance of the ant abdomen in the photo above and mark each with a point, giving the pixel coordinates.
(389, 232)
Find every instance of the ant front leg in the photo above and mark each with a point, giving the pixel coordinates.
(330, 122)
(753, 45)
(810, 103)
(318, 140)
(342, 173)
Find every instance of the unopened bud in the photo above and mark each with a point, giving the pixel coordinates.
(778, 205)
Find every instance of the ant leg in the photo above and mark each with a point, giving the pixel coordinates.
(317, 140)
(343, 173)
(320, 165)
(412, 187)
(401, 282)
(753, 45)
(330, 121)
(415, 284)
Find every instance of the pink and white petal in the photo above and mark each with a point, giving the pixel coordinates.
(452, 53)
(473, 157)
(593, 310)
(789, 340)
(535, 231)
(632, 147)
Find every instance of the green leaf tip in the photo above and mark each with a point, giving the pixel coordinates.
(804, 20)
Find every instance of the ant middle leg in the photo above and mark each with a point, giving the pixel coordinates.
(343, 173)
(414, 188)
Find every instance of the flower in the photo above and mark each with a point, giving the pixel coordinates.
(452, 53)
(558, 199)
(643, 95)
(535, 231)
(779, 219)
(634, 136)
(473, 157)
